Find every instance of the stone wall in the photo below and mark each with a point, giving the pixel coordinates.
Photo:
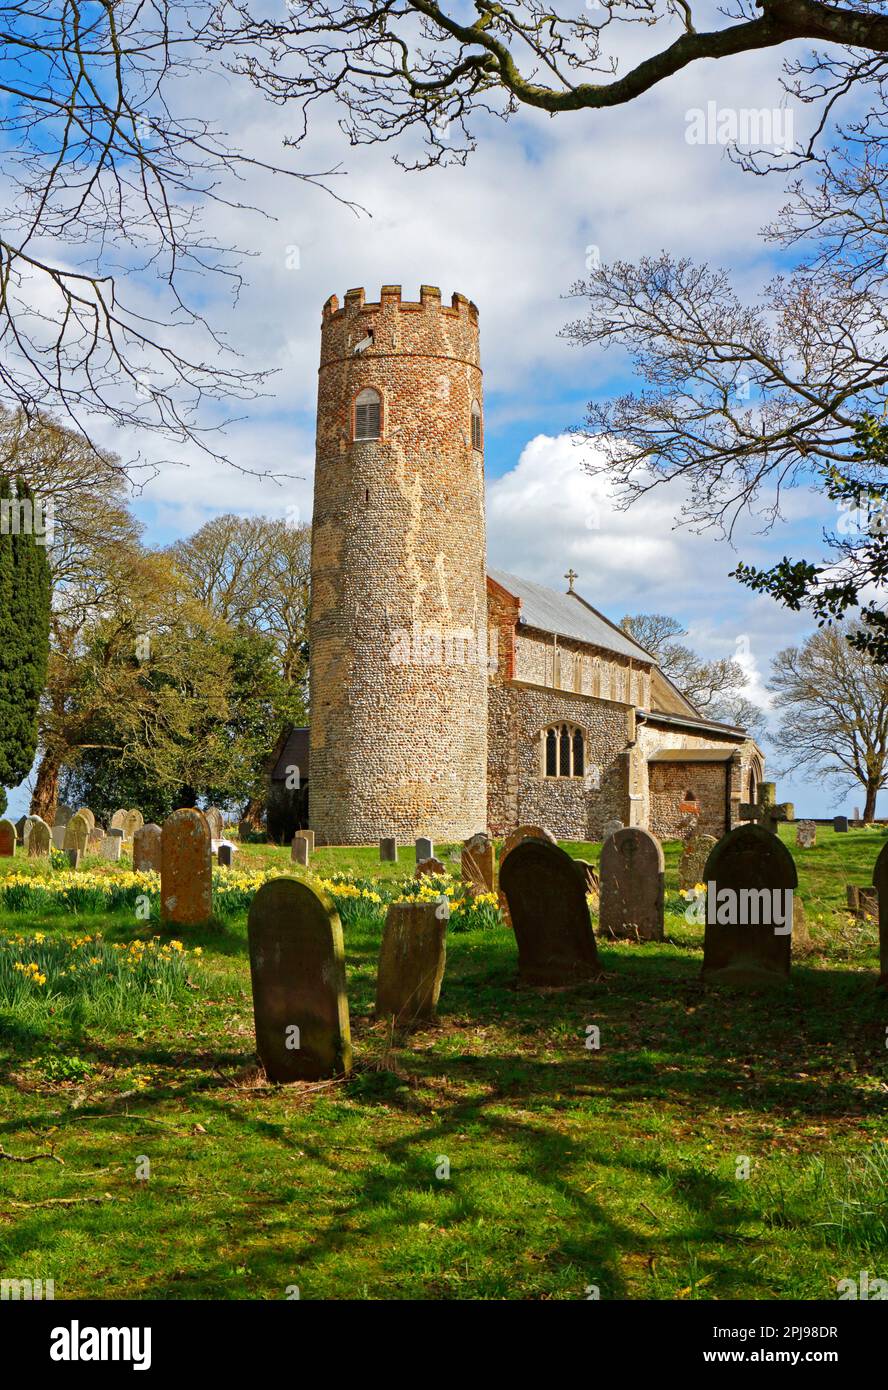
(668, 783)
(399, 603)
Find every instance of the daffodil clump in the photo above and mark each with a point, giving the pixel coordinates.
(466, 913)
(55, 971)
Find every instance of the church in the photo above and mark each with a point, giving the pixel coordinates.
(449, 697)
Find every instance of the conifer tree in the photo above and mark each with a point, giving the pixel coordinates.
(25, 594)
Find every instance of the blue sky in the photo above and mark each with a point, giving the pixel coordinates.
(511, 231)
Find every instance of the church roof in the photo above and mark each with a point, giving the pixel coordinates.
(568, 615)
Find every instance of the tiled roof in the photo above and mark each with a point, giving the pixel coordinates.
(568, 615)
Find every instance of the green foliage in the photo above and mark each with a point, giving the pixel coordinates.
(25, 593)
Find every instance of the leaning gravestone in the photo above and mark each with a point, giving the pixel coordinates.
(297, 968)
(424, 849)
(388, 850)
(880, 883)
(751, 881)
(146, 848)
(299, 851)
(696, 851)
(118, 820)
(411, 963)
(632, 885)
(77, 833)
(806, 834)
(186, 869)
(7, 839)
(840, 825)
(111, 847)
(550, 916)
(40, 839)
(87, 815)
(478, 864)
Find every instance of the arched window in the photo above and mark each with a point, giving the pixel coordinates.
(367, 414)
(476, 425)
(563, 751)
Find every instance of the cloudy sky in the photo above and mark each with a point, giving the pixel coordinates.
(512, 230)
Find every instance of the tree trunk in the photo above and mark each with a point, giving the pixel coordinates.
(869, 810)
(45, 800)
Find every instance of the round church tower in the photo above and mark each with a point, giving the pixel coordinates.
(399, 663)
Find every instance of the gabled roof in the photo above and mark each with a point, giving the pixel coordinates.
(568, 615)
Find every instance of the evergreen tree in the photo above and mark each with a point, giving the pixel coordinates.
(25, 594)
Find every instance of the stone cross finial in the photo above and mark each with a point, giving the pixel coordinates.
(766, 812)
(570, 577)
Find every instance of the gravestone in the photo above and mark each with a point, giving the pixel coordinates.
(429, 866)
(146, 848)
(693, 860)
(118, 820)
(857, 817)
(133, 821)
(7, 839)
(862, 902)
(225, 856)
(550, 916)
(610, 828)
(62, 815)
(21, 827)
(310, 837)
(58, 836)
(77, 833)
(74, 857)
(751, 919)
(111, 847)
(478, 864)
(524, 832)
(880, 883)
(632, 885)
(95, 840)
(388, 850)
(40, 839)
(297, 968)
(840, 825)
(765, 811)
(411, 963)
(87, 815)
(216, 822)
(299, 852)
(186, 869)
(806, 834)
(424, 849)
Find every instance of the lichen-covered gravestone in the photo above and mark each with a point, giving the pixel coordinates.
(118, 820)
(524, 832)
(96, 838)
(806, 834)
(216, 822)
(550, 916)
(632, 885)
(696, 851)
(58, 836)
(111, 847)
(880, 883)
(7, 839)
(478, 864)
(297, 968)
(133, 821)
(751, 881)
(388, 850)
(40, 839)
(186, 869)
(299, 851)
(411, 962)
(87, 816)
(77, 833)
(146, 848)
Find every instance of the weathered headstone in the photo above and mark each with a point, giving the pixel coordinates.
(766, 811)
(62, 815)
(299, 851)
(40, 839)
(133, 821)
(77, 833)
(862, 902)
(550, 916)
(524, 832)
(146, 848)
(857, 817)
(880, 883)
(111, 847)
(429, 866)
(840, 825)
(478, 864)
(751, 881)
(21, 828)
(74, 857)
(411, 963)
(632, 885)
(7, 839)
(216, 822)
(310, 837)
(58, 836)
(388, 850)
(610, 828)
(95, 840)
(87, 815)
(806, 834)
(118, 820)
(186, 869)
(694, 854)
(225, 856)
(297, 967)
(424, 849)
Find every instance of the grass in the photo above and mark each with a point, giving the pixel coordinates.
(570, 1167)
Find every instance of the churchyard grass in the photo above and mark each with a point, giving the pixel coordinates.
(571, 1167)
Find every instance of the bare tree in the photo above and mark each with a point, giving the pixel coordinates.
(713, 686)
(835, 699)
